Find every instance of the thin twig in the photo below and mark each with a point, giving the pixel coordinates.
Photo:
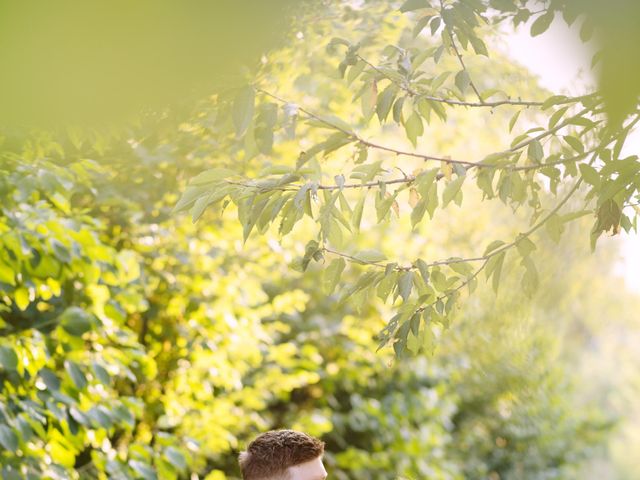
(495, 252)
(351, 258)
(416, 93)
(466, 163)
(464, 67)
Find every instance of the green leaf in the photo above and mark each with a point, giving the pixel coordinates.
(493, 246)
(397, 110)
(384, 206)
(385, 100)
(424, 269)
(405, 285)
(554, 227)
(334, 142)
(199, 207)
(243, 107)
(451, 190)
(535, 151)
(364, 282)
(386, 284)
(190, 195)
(425, 181)
(414, 128)
(355, 71)
(553, 100)
(311, 249)
(21, 298)
(462, 80)
(331, 122)
(7, 274)
(176, 458)
(590, 174)
(494, 269)
(525, 246)
(144, 470)
(419, 26)
(60, 251)
(479, 46)
(513, 120)
(542, 23)
(101, 373)
(574, 143)
(8, 358)
(367, 171)
(332, 275)
(370, 256)
(428, 338)
(100, 416)
(76, 321)
(8, 438)
(50, 379)
(211, 176)
(463, 268)
(368, 100)
(357, 212)
(417, 214)
(557, 115)
(76, 374)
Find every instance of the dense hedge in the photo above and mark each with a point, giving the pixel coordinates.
(137, 345)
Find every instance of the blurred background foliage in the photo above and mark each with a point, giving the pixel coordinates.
(136, 344)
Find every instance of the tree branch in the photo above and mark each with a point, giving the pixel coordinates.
(482, 258)
(464, 67)
(466, 163)
(416, 93)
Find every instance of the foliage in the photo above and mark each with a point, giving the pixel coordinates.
(145, 347)
(565, 145)
(137, 344)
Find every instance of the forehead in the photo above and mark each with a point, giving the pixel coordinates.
(311, 470)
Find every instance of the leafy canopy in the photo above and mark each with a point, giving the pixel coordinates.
(439, 63)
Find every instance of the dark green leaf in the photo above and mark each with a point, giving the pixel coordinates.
(575, 143)
(535, 151)
(513, 120)
(76, 321)
(542, 23)
(451, 190)
(101, 373)
(424, 269)
(590, 174)
(525, 246)
(8, 358)
(405, 285)
(385, 100)
(493, 246)
(176, 458)
(76, 374)
(462, 80)
(51, 381)
(332, 275)
(414, 128)
(144, 470)
(370, 256)
(8, 438)
(357, 212)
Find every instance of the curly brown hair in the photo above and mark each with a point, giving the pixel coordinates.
(272, 453)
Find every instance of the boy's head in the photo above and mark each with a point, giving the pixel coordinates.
(283, 455)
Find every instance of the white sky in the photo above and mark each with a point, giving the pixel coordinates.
(562, 63)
